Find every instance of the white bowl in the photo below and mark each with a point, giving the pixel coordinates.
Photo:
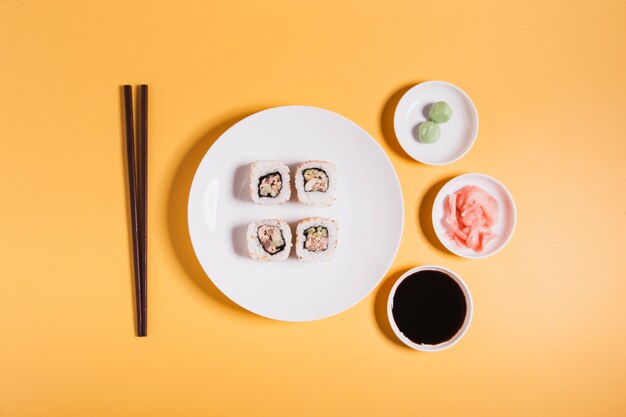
(457, 135)
(503, 228)
(459, 334)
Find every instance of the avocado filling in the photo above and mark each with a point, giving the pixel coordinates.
(316, 239)
(271, 239)
(270, 185)
(315, 180)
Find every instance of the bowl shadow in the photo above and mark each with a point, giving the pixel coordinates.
(177, 213)
(386, 120)
(380, 307)
(424, 214)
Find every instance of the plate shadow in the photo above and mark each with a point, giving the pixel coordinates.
(177, 213)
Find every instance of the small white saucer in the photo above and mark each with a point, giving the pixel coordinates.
(503, 228)
(457, 135)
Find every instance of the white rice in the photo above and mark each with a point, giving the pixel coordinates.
(262, 168)
(317, 198)
(255, 249)
(311, 256)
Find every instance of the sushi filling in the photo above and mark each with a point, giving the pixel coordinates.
(271, 239)
(316, 239)
(315, 180)
(270, 185)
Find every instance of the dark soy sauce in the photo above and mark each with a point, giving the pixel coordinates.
(429, 307)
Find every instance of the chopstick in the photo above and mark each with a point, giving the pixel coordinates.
(132, 188)
(143, 203)
(138, 190)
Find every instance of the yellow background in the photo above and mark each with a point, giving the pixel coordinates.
(549, 330)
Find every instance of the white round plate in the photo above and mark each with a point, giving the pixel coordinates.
(503, 228)
(369, 211)
(457, 135)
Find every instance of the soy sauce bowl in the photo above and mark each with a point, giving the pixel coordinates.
(458, 335)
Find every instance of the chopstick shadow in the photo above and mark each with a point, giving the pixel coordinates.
(386, 120)
(380, 306)
(424, 213)
(177, 213)
(129, 221)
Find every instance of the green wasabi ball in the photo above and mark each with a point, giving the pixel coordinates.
(440, 112)
(429, 132)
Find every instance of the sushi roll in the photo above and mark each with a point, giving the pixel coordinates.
(269, 182)
(269, 240)
(316, 182)
(316, 239)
